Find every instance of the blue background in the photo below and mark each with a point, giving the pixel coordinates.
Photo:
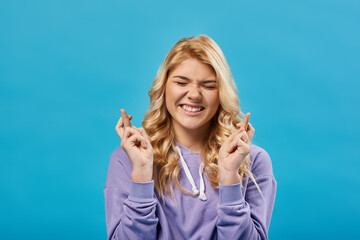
(67, 67)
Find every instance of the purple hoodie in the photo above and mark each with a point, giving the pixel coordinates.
(134, 211)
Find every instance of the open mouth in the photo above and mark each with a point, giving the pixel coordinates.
(192, 108)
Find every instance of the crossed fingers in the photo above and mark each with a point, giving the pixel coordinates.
(134, 137)
(239, 139)
(247, 126)
(123, 123)
(130, 134)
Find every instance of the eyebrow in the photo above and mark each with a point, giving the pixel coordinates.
(187, 79)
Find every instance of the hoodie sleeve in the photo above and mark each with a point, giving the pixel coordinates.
(247, 215)
(129, 206)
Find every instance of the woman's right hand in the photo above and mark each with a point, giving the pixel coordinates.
(137, 146)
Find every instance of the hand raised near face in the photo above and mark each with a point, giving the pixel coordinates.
(137, 146)
(247, 126)
(233, 152)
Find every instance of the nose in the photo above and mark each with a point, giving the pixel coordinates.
(194, 93)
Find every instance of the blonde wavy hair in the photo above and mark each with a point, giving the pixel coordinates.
(157, 120)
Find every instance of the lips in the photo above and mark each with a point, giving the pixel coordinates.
(192, 108)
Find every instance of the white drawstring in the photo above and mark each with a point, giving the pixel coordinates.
(202, 195)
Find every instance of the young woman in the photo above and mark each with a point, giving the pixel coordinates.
(191, 171)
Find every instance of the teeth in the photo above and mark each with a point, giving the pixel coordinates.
(191, 109)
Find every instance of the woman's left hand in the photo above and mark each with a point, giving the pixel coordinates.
(247, 126)
(233, 152)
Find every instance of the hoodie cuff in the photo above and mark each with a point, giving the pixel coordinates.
(231, 194)
(141, 192)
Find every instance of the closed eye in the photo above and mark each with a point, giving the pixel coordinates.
(181, 83)
(209, 87)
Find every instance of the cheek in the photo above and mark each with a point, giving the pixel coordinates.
(213, 98)
(170, 100)
(215, 102)
(174, 94)
(167, 95)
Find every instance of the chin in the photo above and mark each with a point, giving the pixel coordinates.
(194, 126)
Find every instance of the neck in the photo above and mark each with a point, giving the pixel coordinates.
(193, 139)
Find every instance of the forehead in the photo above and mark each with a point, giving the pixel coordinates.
(194, 70)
